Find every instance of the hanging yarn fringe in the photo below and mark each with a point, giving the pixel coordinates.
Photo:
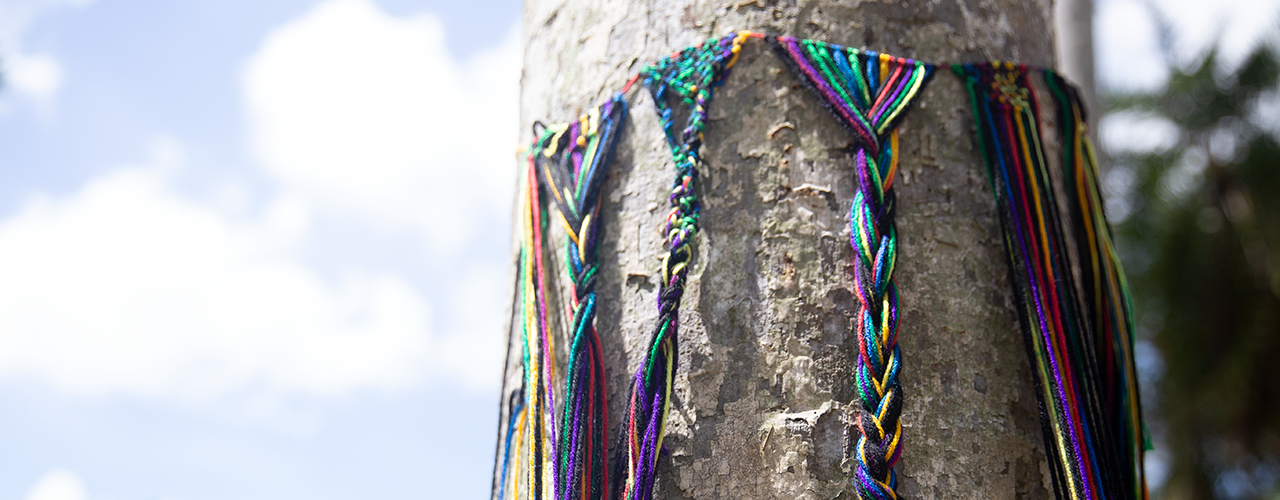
(1073, 301)
(566, 163)
(869, 93)
(688, 77)
(1078, 327)
(572, 160)
(535, 420)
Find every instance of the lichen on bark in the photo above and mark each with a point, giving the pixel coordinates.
(764, 395)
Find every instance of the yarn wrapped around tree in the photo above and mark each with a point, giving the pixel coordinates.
(869, 94)
(1078, 328)
(687, 77)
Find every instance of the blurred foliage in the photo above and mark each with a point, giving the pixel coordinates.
(1200, 239)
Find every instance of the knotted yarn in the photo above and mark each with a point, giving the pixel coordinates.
(687, 77)
(1078, 330)
(868, 93)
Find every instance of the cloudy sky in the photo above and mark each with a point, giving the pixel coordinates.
(252, 249)
(258, 250)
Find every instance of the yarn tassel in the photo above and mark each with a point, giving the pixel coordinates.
(566, 457)
(1078, 327)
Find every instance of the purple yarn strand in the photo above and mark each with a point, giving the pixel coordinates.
(827, 92)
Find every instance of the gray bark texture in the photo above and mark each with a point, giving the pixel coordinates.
(764, 399)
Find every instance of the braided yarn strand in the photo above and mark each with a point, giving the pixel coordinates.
(869, 93)
(687, 77)
(572, 160)
(567, 163)
(1078, 330)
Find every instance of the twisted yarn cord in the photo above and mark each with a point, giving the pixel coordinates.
(1078, 332)
(868, 93)
(572, 161)
(687, 77)
(567, 163)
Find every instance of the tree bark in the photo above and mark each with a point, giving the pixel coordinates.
(764, 398)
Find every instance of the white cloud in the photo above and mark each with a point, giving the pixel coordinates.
(33, 75)
(368, 113)
(128, 287)
(125, 287)
(38, 75)
(58, 484)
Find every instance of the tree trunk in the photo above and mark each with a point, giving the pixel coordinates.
(1074, 43)
(764, 396)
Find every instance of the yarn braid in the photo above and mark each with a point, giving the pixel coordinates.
(566, 163)
(572, 160)
(869, 93)
(690, 75)
(1078, 332)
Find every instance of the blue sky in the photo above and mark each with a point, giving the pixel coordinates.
(222, 225)
(259, 249)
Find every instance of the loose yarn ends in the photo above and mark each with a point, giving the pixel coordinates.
(565, 460)
(869, 94)
(1078, 328)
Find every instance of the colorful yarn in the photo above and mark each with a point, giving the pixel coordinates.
(869, 93)
(572, 161)
(536, 432)
(1078, 329)
(516, 404)
(567, 163)
(688, 77)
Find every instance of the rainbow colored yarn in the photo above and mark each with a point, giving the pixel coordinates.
(869, 93)
(687, 76)
(567, 163)
(1078, 330)
(1077, 326)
